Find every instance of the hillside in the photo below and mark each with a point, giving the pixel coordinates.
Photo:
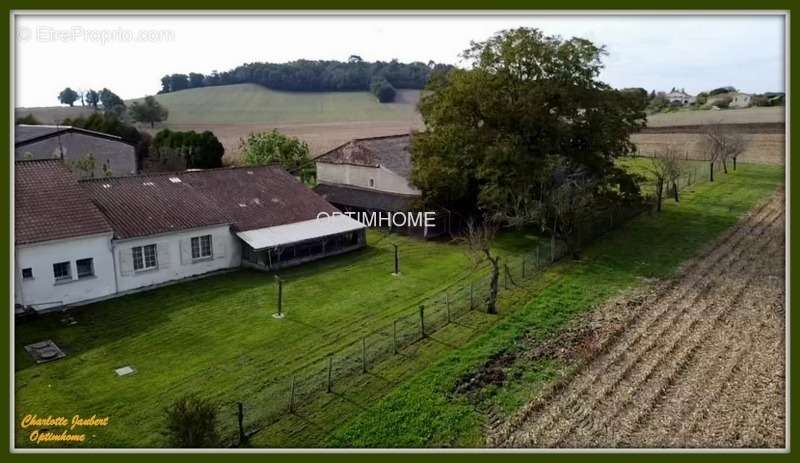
(728, 116)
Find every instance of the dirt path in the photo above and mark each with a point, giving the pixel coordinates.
(700, 364)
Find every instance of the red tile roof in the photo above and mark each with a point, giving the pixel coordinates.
(49, 204)
(245, 197)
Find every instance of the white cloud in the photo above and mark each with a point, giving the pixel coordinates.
(695, 52)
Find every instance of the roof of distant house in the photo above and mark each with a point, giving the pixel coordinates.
(348, 195)
(390, 152)
(49, 204)
(27, 134)
(245, 197)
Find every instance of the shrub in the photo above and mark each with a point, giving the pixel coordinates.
(198, 150)
(274, 147)
(192, 423)
(384, 90)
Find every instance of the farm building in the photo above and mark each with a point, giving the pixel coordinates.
(741, 100)
(679, 97)
(80, 241)
(372, 175)
(112, 155)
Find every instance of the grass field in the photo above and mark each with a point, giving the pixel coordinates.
(217, 336)
(432, 411)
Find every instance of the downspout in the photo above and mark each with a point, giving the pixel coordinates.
(114, 265)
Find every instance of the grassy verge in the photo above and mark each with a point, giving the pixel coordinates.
(428, 412)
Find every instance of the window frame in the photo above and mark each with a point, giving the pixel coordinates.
(143, 256)
(203, 243)
(91, 268)
(68, 276)
(29, 277)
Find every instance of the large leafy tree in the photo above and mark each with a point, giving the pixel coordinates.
(274, 147)
(494, 130)
(526, 135)
(112, 103)
(148, 111)
(188, 150)
(68, 96)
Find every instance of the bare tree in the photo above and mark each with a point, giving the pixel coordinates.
(479, 238)
(667, 168)
(721, 143)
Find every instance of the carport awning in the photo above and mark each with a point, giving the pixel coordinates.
(281, 235)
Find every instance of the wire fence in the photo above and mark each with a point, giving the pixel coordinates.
(278, 397)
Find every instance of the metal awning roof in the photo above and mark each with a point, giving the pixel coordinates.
(281, 235)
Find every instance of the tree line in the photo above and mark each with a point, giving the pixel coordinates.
(355, 74)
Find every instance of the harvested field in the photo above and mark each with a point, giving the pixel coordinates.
(697, 362)
(763, 148)
(768, 114)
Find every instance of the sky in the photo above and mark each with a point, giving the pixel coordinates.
(130, 54)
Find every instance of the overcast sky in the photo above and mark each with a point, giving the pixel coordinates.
(129, 54)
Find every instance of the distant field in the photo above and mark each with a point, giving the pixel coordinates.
(728, 116)
(322, 119)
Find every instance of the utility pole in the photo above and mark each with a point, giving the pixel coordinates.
(396, 261)
(279, 315)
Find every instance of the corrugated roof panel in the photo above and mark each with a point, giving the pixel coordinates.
(281, 235)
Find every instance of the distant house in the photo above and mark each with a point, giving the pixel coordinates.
(679, 97)
(372, 175)
(80, 241)
(741, 100)
(112, 155)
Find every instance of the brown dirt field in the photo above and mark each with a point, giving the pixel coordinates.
(763, 148)
(320, 137)
(698, 362)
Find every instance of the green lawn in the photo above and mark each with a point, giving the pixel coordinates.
(217, 336)
(427, 412)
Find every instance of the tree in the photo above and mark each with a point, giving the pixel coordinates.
(110, 123)
(275, 147)
(178, 82)
(720, 143)
(192, 423)
(68, 96)
(526, 135)
(111, 102)
(479, 238)
(667, 169)
(149, 111)
(383, 90)
(490, 129)
(187, 150)
(92, 98)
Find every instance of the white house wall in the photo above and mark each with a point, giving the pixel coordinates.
(359, 176)
(43, 291)
(174, 257)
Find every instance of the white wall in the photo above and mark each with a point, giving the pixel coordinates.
(42, 291)
(345, 174)
(175, 258)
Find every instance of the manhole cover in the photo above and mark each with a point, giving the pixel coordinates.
(44, 351)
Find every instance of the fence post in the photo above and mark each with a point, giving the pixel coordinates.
(523, 266)
(291, 396)
(505, 278)
(394, 336)
(240, 416)
(364, 354)
(447, 306)
(422, 321)
(471, 297)
(330, 373)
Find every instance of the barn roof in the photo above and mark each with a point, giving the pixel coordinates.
(26, 134)
(390, 152)
(49, 204)
(365, 199)
(247, 198)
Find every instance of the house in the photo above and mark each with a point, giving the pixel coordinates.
(112, 156)
(81, 241)
(679, 97)
(741, 100)
(372, 175)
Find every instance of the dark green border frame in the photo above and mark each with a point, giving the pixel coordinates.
(685, 5)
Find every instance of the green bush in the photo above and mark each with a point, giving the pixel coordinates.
(199, 150)
(384, 90)
(192, 423)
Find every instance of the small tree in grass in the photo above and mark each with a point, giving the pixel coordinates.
(666, 167)
(479, 238)
(720, 143)
(192, 423)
